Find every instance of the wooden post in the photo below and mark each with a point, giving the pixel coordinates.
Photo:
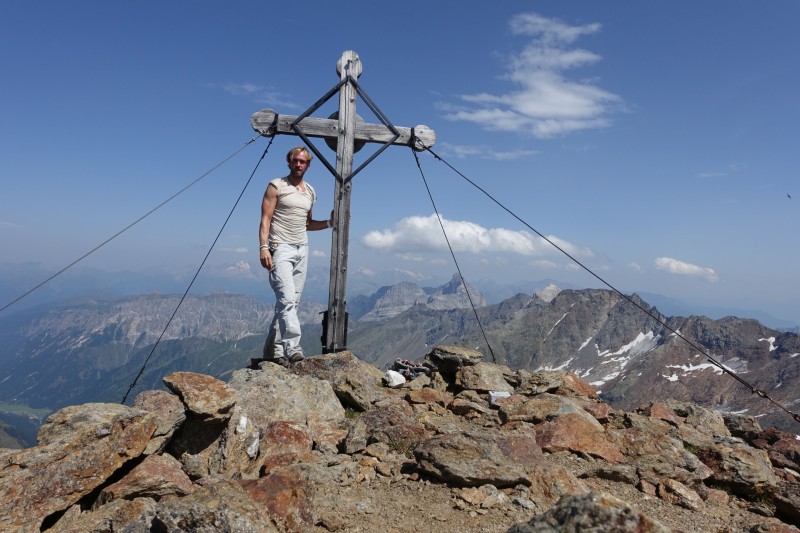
(335, 328)
(345, 130)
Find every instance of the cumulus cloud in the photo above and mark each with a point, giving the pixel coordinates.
(544, 103)
(414, 234)
(674, 266)
(318, 253)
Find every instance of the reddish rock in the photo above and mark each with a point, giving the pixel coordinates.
(395, 428)
(169, 412)
(601, 411)
(427, 396)
(286, 437)
(285, 459)
(783, 448)
(714, 496)
(119, 515)
(647, 487)
(543, 407)
(746, 471)
(560, 383)
(80, 447)
(550, 482)
(677, 493)
(222, 506)
(576, 434)
(285, 495)
(661, 412)
(205, 396)
(475, 458)
(155, 477)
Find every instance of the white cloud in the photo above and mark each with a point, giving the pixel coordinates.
(261, 94)
(484, 152)
(636, 267)
(545, 103)
(318, 253)
(733, 168)
(417, 233)
(238, 250)
(545, 264)
(673, 266)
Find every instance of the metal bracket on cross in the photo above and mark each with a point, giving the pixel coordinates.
(345, 132)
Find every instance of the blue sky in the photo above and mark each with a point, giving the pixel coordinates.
(654, 141)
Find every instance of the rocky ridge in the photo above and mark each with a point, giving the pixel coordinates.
(628, 355)
(388, 302)
(467, 446)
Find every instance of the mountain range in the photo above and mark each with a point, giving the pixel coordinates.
(54, 356)
(78, 284)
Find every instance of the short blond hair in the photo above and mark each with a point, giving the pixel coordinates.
(296, 150)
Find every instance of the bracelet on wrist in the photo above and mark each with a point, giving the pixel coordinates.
(263, 246)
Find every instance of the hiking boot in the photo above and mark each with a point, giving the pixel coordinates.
(296, 356)
(255, 364)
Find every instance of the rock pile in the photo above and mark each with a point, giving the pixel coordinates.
(325, 446)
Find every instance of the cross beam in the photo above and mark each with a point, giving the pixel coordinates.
(269, 122)
(346, 134)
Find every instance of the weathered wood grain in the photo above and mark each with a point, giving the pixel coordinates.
(268, 122)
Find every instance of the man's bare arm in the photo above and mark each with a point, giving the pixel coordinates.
(267, 211)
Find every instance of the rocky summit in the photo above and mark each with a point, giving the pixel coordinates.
(462, 445)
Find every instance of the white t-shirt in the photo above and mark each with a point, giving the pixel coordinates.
(291, 213)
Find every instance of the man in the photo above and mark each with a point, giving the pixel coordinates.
(285, 219)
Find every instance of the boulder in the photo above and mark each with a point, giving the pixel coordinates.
(394, 427)
(448, 359)
(204, 396)
(744, 470)
(656, 454)
(170, 413)
(80, 447)
(357, 384)
(475, 458)
(155, 477)
(119, 515)
(483, 377)
(560, 383)
(577, 432)
(541, 407)
(275, 393)
(677, 493)
(285, 494)
(591, 513)
(220, 506)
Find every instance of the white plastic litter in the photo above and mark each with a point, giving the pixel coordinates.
(393, 379)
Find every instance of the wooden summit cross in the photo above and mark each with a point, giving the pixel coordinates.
(346, 133)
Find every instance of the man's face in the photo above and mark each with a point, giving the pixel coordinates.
(298, 164)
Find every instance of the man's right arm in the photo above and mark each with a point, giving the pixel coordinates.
(268, 204)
